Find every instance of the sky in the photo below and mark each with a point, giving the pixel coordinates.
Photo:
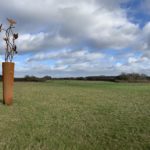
(69, 38)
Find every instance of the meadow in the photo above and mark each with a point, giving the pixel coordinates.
(76, 115)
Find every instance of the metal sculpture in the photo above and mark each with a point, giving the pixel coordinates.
(8, 65)
(9, 39)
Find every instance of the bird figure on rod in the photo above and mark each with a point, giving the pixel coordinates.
(9, 39)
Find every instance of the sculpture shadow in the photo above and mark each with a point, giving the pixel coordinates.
(1, 101)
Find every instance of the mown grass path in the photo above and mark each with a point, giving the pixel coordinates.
(76, 115)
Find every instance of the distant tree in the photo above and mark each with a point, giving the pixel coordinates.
(132, 77)
(47, 77)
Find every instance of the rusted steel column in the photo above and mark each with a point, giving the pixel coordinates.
(8, 82)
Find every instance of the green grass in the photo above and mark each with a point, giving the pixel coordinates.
(76, 115)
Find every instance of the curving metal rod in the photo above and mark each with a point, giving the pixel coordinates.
(9, 39)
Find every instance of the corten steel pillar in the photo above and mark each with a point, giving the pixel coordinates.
(8, 82)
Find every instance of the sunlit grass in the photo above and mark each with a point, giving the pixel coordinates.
(77, 115)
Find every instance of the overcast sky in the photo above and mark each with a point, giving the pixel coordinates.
(79, 37)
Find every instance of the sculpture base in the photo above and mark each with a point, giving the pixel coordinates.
(8, 82)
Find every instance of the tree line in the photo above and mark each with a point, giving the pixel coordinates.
(123, 77)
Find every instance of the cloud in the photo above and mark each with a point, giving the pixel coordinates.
(41, 42)
(70, 62)
(83, 55)
(138, 65)
(72, 23)
(146, 37)
(145, 6)
(86, 37)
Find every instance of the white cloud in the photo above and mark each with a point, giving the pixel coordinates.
(132, 60)
(40, 42)
(74, 34)
(71, 55)
(71, 23)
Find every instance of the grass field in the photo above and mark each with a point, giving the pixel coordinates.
(76, 115)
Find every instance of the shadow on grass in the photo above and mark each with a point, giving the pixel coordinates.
(1, 101)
